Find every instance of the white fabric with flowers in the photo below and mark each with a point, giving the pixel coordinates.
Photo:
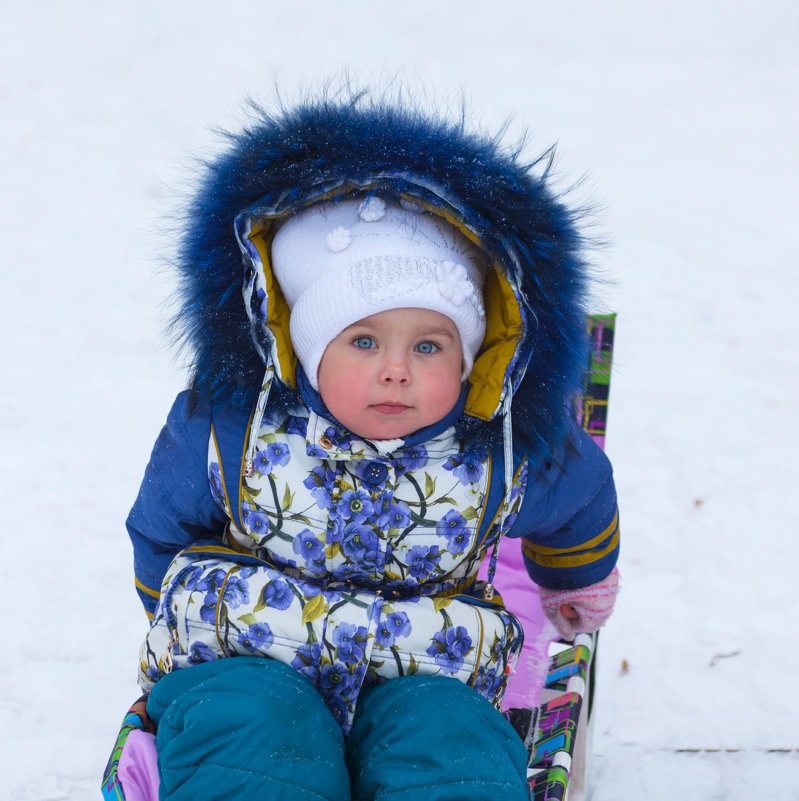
(351, 565)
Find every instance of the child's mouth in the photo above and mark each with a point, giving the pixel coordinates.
(390, 408)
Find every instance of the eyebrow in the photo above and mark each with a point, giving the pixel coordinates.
(369, 329)
(437, 332)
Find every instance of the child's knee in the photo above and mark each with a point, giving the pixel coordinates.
(242, 726)
(432, 738)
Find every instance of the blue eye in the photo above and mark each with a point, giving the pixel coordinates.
(426, 347)
(364, 343)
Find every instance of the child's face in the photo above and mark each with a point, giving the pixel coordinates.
(392, 373)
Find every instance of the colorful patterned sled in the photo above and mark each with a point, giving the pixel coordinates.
(135, 720)
(550, 694)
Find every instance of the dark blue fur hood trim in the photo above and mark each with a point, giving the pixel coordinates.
(337, 136)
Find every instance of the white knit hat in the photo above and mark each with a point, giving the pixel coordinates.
(338, 263)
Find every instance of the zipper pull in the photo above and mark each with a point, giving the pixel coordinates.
(173, 641)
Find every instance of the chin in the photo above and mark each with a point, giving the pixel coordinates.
(381, 429)
(386, 434)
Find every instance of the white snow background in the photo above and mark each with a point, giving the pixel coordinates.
(682, 117)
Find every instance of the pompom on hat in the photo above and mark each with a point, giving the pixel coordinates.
(338, 263)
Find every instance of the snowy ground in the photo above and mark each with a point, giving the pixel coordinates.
(683, 115)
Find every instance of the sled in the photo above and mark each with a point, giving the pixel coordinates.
(549, 698)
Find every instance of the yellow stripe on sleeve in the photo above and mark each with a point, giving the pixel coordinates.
(577, 555)
(147, 591)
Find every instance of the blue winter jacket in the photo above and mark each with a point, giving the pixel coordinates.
(263, 526)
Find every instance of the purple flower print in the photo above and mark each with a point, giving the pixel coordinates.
(257, 636)
(339, 709)
(236, 591)
(200, 652)
(334, 530)
(453, 527)
(349, 642)
(192, 578)
(296, 425)
(339, 438)
(487, 682)
(277, 594)
(510, 520)
(320, 482)
(423, 561)
(154, 673)
(498, 649)
(275, 454)
(337, 685)
(215, 480)
(307, 545)
(466, 467)
(355, 505)
(306, 660)
(449, 647)
(256, 521)
(398, 623)
(412, 458)
(393, 625)
(521, 483)
(208, 609)
(212, 582)
(398, 516)
(335, 677)
(358, 542)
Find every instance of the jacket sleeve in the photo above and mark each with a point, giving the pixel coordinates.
(569, 518)
(174, 508)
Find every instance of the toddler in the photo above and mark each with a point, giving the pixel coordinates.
(386, 314)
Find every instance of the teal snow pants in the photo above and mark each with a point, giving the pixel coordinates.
(252, 728)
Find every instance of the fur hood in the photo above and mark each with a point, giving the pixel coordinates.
(233, 318)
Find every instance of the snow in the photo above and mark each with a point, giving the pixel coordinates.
(683, 118)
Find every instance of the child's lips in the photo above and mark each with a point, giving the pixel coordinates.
(390, 408)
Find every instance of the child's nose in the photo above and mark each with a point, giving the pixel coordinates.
(395, 370)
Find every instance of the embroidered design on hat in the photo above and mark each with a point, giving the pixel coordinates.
(339, 239)
(381, 278)
(372, 209)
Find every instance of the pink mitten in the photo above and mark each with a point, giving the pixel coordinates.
(593, 605)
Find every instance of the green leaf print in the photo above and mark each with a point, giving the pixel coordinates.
(445, 499)
(314, 608)
(429, 485)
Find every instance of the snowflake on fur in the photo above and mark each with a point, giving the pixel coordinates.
(339, 239)
(453, 282)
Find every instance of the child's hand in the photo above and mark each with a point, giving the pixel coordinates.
(569, 612)
(585, 609)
